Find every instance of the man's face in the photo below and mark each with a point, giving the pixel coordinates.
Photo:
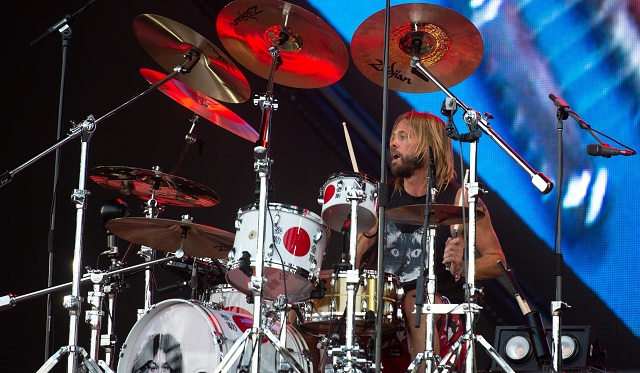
(403, 159)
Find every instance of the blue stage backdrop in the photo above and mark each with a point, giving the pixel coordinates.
(584, 52)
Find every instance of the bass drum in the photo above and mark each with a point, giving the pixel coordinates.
(189, 336)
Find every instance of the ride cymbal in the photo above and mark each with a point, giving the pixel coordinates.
(202, 105)
(169, 189)
(442, 214)
(449, 46)
(170, 235)
(312, 54)
(215, 74)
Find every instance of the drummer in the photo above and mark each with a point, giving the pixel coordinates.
(413, 135)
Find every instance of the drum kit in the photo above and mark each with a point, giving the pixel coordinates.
(247, 284)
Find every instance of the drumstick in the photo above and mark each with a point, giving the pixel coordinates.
(454, 234)
(353, 157)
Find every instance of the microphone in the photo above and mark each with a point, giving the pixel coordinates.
(606, 151)
(558, 101)
(245, 264)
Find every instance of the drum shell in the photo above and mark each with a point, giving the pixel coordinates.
(337, 206)
(295, 243)
(205, 335)
(321, 316)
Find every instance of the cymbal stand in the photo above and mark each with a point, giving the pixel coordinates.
(93, 317)
(345, 358)
(252, 337)
(72, 302)
(152, 210)
(476, 122)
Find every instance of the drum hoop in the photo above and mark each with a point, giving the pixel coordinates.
(286, 208)
(351, 174)
(371, 273)
(291, 268)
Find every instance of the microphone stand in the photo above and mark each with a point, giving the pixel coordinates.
(475, 121)
(428, 243)
(63, 27)
(563, 112)
(383, 194)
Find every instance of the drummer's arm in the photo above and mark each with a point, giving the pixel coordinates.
(365, 241)
(488, 248)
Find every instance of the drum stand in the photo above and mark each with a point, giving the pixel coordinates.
(253, 336)
(474, 121)
(345, 358)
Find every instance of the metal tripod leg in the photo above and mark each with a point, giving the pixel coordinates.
(446, 365)
(239, 346)
(89, 363)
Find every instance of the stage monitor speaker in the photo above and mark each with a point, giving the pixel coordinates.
(580, 348)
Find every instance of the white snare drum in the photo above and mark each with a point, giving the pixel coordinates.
(295, 240)
(195, 338)
(227, 298)
(324, 316)
(336, 206)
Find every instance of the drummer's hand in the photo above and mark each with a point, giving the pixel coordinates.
(454, 254)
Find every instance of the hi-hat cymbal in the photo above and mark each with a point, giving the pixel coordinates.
(449, 46)
(170, 235)
(202, 105)
(442, 214)
(215, 74)
(313, 55)
(169, 189)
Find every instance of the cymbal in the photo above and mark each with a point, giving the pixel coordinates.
(215, 74)
(313, 56)
(202, 105)
(171, 190)
(442, 214)
(167, 235)
(449, 46)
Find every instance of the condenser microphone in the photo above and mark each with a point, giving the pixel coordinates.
(598, 150)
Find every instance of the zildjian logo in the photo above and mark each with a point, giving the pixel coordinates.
(250, 13)
(392, 71)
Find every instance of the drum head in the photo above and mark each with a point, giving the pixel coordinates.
(182, 329)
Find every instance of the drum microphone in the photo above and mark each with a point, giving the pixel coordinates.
(319, 291)
(177, 286)
(244, 264)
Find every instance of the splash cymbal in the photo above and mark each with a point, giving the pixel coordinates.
(442, 214)
(169, 189)
(170, 235)
(215, 74)
(202, 105)
(312, 53)
(449, 46)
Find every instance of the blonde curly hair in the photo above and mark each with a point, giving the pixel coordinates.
(429, 131)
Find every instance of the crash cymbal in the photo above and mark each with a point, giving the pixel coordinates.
(170, 189)
(202, 105)
(170, 235)
(449, 46)
(313, 54)
(215, 74)
(442, 214)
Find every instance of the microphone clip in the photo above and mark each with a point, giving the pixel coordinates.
(245, 264)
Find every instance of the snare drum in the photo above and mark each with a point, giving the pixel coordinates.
(324, 316)
(336, 204)
(295, 240)
(196, 338)
(228, 298)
